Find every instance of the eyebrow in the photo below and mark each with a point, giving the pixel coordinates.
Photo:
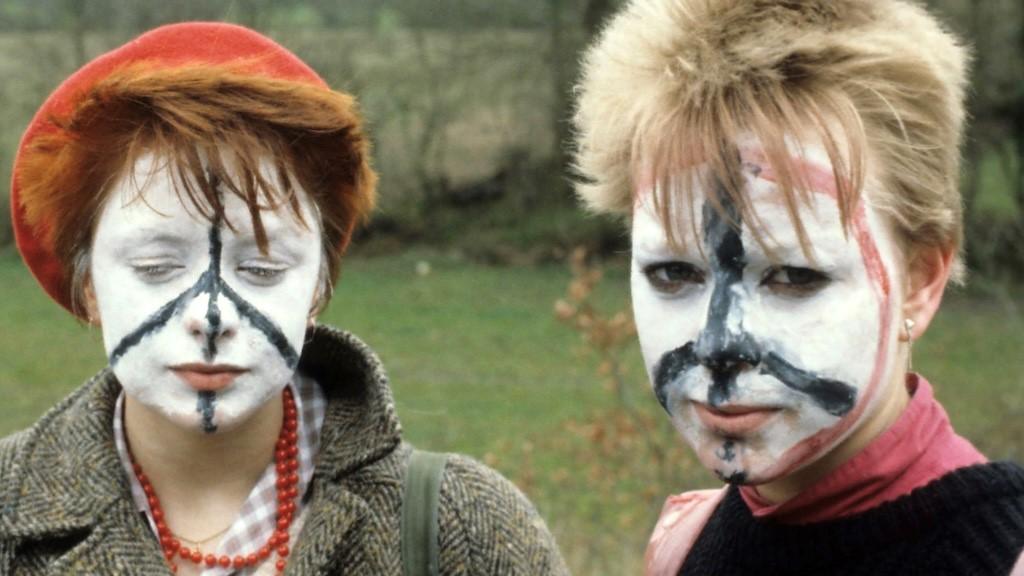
(149, 236)
(657, 250)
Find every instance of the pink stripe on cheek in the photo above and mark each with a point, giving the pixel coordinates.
(869, 252)
(818, 178)
(823, 181)
(642, 191)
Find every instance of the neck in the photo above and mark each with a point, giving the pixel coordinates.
(201, 478)
(891, 406)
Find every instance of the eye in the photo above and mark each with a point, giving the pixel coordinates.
(154, 272)
(262, 274)
(672, 277)
(794, 280)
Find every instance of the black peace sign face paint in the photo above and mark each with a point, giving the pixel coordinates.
(197, 322)
(764, 361)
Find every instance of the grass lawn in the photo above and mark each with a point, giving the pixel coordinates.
(479, 365)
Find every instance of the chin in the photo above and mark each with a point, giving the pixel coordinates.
(227, 408)
(743, 466)
(740, 461)
(235, 409)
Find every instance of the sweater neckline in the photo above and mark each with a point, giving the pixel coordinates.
(768, 545)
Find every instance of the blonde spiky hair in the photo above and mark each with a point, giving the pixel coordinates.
(672, 83)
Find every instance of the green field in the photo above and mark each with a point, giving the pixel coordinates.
(481, 366)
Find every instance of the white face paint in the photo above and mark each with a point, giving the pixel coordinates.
(197, 323)
(764, 364)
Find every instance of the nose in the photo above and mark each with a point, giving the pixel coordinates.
(727, 353)
(211, 321)
(723, 346)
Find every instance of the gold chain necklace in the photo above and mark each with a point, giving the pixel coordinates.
(198, 543)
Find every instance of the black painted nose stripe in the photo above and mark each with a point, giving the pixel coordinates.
(726, 354)
(210, 283)
(213, 318)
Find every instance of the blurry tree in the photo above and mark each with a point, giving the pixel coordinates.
(467, 95)
(993, 171)
(571, 25)
(595, 13)
(73, 14)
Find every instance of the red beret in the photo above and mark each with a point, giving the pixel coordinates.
(171, 45)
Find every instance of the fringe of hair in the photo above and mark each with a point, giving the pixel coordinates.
(878, 83)
(213, 124)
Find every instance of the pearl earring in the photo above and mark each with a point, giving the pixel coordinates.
(908, 325)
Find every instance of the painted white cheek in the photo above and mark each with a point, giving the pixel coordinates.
(665, 324)
(286, 315)
(121, 308)
(645, 311)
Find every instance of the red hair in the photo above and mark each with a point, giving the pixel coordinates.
(213, 122)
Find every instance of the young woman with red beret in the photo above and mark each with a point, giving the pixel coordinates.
(191, 193)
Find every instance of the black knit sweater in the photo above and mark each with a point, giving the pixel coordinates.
(970, 521)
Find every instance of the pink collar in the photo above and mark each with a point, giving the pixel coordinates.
(920, 447)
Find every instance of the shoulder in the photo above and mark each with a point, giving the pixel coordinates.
(59, 440)
(10, 447)
(982, 513)
(487, 526)
(968, 490)
(681, 521)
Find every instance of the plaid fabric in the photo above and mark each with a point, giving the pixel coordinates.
(256, 519)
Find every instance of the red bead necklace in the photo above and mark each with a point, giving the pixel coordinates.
(286, 466)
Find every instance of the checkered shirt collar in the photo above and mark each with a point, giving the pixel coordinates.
(256, 520)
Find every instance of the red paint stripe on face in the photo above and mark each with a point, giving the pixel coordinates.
(822, 180)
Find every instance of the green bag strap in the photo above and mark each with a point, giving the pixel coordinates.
(420, 495)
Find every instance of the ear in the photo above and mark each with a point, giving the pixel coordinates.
(323, 293)
(315, 307)
(92, 311)
(928, 272)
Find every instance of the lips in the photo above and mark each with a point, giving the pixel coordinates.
(734, 420)
(208, 377)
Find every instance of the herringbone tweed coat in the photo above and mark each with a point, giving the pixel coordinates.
(65, 506)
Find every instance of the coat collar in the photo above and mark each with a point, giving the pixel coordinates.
(66, 475)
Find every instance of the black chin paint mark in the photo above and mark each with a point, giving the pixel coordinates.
(205, 406)
(726, 353)
(727, 452)
(211, 283)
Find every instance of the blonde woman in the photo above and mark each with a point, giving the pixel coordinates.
(789, 171)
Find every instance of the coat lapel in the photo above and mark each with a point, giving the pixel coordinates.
(119, 543)
(70, 490)
(70, 493)
(360, 428)
(335, 522)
